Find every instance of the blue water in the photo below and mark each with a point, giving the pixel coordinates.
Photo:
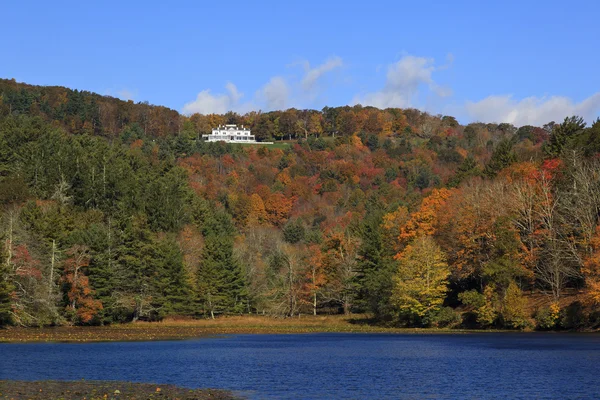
(334, 366)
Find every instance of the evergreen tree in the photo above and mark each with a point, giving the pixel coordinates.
(220, 281)
(6, 289)
(375, 269)
(468, 168)
(294, 232)
(173, 292)
(502, 157)
(563, 135)
(100, 238)
(221, 286)
(133, 292)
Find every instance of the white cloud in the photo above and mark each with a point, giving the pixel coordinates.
(312, 75)
(234, 94)
(126, 94)
(123, 94)
(207, 103)
(272, 96)
(275, 93)
(532, 110)
(404, 78)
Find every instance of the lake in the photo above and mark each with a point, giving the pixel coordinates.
(334, 366)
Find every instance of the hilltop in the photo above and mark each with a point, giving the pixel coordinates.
(115, 211)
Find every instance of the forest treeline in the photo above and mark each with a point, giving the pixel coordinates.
(114, 211)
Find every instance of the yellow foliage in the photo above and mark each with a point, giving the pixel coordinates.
(284, 177)
(514, 309)
(420, 283)
(258, 213)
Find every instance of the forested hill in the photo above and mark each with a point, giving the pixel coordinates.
(114, 211)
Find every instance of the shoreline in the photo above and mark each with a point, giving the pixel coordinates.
(71, 390)
(195, 329)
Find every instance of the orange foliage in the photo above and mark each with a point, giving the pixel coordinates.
(284, 177)
(591, 270)
(393, 223)
(79, 293)
(278, 208)
(258, 213)
(315, 276)
(136, 144)
(424, 221)
(519, 171)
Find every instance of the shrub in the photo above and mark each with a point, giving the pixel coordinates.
(594, 320)
(547, 318)
(573, 316)
(514, 308)
(483, 304)
(445, 317)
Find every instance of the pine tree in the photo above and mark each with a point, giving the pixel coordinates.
(221, 286)
(373, 278)
(563, 135)
(173, 292)
(220, 281)
(502, 157)
(6, 289)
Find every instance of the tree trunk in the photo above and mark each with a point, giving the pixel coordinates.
(9, 241)
(52, 261)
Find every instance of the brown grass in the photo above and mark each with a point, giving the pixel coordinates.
(538, 300)
(186, 328)
(180, 328)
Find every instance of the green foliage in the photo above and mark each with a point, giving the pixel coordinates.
(375, 269)
(588, 141)
(6, 289)
(171, 285)
(483, 305)
(573, 317)
(167, 201)
(504, 264)
(168, 221)
(294, 232)
(467, 169)
(221, 287)
(547, 318)
(470, 135)
(563, 135)
(445, 317)
(372, 142)
(502, 157)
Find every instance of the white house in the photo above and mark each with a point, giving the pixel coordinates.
(230, 134)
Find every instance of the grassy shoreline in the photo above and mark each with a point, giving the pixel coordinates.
(172, 329)
(92, 390)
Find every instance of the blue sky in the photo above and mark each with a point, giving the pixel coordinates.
(511, 61)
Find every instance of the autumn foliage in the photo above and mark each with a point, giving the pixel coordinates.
(79, 293)
(115, 211)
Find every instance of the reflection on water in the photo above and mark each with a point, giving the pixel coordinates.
(344, 366)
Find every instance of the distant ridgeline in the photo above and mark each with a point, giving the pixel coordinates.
(114, 211)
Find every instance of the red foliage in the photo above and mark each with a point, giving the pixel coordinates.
(25, 264)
